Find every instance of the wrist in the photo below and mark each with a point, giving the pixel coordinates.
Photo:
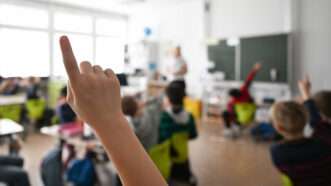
(109, 123)
(306, 96)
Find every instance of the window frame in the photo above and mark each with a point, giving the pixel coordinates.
(70, 9)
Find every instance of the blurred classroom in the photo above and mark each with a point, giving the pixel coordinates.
(208, 47)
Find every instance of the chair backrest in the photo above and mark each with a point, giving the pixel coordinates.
(286, 181)
(35, 108)
(160, 154)
(245, 112)
(12, 112)
(193, 106)
(179, 142)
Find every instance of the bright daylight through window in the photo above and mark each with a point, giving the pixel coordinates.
(97, 38)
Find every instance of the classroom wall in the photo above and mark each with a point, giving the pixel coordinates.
(188, 24)
(175, 23)
(249, 17)
(312, 41)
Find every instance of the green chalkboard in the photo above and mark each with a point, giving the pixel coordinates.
(271, 51)
(223, 57)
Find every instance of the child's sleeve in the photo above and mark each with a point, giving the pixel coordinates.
(192, 128)
(165, 131)
(249, 80)
(314, 115)
(322, 129)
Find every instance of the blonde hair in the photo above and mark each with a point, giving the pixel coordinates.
(291, 116)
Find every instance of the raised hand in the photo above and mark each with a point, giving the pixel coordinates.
(257, 66)
(93, 94)
(305, 88)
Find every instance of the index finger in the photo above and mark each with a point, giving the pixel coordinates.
(69, 59)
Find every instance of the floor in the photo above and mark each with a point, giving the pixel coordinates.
(216, 161)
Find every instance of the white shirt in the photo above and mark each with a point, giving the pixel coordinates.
(177, 65)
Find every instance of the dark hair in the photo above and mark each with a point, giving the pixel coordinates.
(235, 93)
(129, 105)
(63, 91)
(176, 94)
(323, 102)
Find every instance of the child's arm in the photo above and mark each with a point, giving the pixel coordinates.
(193, 128)
(305, 90)
(251, 77)
(165, 131)
(94, 94)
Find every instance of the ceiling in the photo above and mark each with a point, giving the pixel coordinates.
(122, 6)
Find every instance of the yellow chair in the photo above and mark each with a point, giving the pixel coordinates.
(12, 112)
(286, 181)
(35, 108)
(193, 106)
(160, 154)
(245, 113)
(179, 142)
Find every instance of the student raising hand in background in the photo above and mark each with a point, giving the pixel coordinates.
(305, 88)
(94, 94)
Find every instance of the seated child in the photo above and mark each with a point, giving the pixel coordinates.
(10, 86)
(63, 110)
(145, 118)
(11, 166)
(305, 161)
(33, 88)
(241, 95)
(175, 120)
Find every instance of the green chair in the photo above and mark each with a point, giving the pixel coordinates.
(160, 154)
(245, 113)
(12, 112)
(35, 108)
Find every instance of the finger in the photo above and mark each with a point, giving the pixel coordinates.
(70, 96)
(86, 67)
(69, 59)
(307, 78)
(109, 73)
(97, 69)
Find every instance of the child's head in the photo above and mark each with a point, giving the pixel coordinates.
(176, 93)
(130, 106)
(289, 118)
(235, 93)
(323, 102)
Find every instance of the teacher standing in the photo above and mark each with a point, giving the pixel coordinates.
(179, 67)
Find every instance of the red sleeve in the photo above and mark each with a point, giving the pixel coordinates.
(230, 106)
(248, 81)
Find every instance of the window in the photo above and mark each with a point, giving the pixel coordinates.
(82, 46)
(110, 43)
(29, 36)
(110, 53)
(111, 27)
(23, 16)
(73, 22)
(24, 53)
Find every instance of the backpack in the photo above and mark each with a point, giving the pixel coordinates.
(81, 172)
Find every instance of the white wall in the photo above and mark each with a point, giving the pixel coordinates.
(232, 18)
(313, 41)
(176, 22)
(186, 23)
